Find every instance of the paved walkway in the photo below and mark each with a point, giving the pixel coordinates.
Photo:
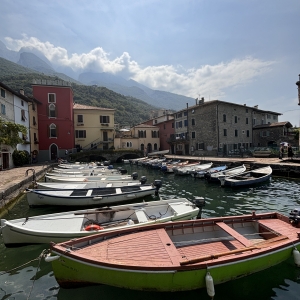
(14, 181)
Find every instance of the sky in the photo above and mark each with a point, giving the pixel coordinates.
(245, 52)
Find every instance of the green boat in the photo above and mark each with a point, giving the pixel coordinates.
(177, 256)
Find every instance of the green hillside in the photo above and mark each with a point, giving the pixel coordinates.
(129, 111)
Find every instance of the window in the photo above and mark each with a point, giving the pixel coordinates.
(224, 118)
(155, 147)
(52, 129)
(262, 122)
(3, 111)
(274, 117)
(104, 119)
(22, 102)
(33, 120)
(268, 116)
(80, 118)
(185, 113)
(23, 117)
(129, 144)
(225, 132)
(247, 121)
(235, 119)
(33, 106)
(173, 125)
(193, 122)
(254, 120)
(185, 123)
(248, 133)
(179, 115)
(35, 137)
(80, 134)
(2, 93)
(142, 133)
(52, 111)
(200, 146)
(51, 98)
(154, 134)
(193, 134)
(236, 133)
(246, 110)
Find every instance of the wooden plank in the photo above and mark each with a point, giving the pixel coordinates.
(234, 234)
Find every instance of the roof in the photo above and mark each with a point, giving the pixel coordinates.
(229, 103)
(14, 92)
(275, 124)
(144, 126)
(81, 106)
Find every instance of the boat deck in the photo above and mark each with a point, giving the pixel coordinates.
(155, 248)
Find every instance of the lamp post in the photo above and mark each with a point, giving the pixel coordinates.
(298, 83)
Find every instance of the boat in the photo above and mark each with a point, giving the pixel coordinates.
(188, 165)
(87, 172)
(111, 177)
(90, 197)
(214, 177)
(177, 256)
(63, 226)
(189, 169)
(247, 178)
(201, 174)
(89, 184)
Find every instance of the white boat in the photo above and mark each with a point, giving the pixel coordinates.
(90, 197)
(201, 174)
(228, 172)
(111, 177)
(251, 177)
(60, 227)
(191, 169)
(89, 184)
(187, 165)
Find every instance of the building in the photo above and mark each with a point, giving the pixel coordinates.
(165, 122)
(141, 137)
(217, 127)
(94, 127)
(55, 118)
(271, 135)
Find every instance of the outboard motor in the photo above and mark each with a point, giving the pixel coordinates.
(157, 183)
(134, 176)
(143, 179)
(123, 171)
(200, 203)
(295, 216)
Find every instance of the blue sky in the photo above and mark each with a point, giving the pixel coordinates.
(246, 52)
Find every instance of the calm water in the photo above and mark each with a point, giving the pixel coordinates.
(33, 279)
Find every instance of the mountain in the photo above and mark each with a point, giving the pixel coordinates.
(129, 111)
(134, 89)
(35, 60)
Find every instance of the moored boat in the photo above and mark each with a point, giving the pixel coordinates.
(247, 178)
(201, 174)
(214, 177)
(90, 197)
(177, 256)
(63, 226)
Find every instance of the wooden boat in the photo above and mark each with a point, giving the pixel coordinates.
(111, 177)
(214, 177)
(177, 256)
(90, 197)
(247, 178)
(89, 184)
(189, 169)
(188, 165)
(168, 167)
(201, 174)
(61, 227)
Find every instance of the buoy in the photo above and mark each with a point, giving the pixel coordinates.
(93, 227)
(209, 285)
(296, 255)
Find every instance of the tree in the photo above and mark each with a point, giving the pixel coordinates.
(9, 133)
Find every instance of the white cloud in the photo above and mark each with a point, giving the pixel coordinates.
(207, 80)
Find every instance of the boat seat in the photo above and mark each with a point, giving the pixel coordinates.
(141, 216)
(179, 209)
(109, 185)
(234, 234)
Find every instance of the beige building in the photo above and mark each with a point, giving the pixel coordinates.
(141, 137)
(94, 127)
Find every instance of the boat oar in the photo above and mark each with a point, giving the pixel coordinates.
(217, 255)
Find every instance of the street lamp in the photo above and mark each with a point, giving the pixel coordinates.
(298, 83)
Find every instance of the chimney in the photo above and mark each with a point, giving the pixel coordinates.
(21, 91)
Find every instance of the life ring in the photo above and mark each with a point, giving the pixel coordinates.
(93, 227)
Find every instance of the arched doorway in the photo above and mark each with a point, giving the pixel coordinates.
(53, 152)
(149, 148)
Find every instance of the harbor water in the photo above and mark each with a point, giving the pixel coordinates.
(23, 275)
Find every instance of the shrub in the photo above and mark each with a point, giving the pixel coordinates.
(20, 157)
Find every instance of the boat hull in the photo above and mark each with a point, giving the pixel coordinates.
(72, 273)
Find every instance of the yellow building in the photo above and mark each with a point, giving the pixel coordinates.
(94, 127)
(141, 137)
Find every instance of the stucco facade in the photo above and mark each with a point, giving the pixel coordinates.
(94, 127)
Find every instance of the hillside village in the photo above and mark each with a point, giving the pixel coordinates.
(57, 126)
